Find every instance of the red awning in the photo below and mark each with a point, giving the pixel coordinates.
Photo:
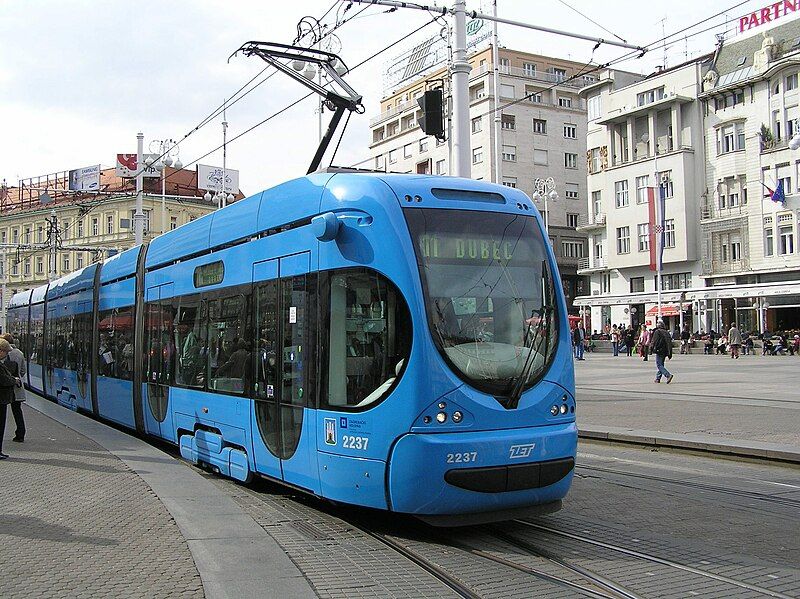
(666, 310)
(574, 318)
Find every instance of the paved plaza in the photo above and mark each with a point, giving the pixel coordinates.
(754, 400)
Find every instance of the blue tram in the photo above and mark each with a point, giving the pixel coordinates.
(392, 341)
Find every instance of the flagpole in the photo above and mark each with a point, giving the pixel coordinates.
(659, 223)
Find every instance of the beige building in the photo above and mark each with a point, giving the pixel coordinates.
(90, 226)
(542, 134)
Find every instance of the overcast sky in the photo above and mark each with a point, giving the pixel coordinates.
(80, 78)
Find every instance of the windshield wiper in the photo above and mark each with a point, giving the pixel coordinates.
(518, 385)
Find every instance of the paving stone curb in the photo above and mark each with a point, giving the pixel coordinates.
(696, 442)
(233, 554)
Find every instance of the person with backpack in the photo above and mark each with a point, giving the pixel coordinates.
(661, 346)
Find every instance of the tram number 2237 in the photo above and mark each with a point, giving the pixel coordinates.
(462, 458)
(351, 442)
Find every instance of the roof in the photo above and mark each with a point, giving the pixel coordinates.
(737, 57)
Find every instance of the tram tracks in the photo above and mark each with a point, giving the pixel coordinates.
(685, 568)
(697, 485)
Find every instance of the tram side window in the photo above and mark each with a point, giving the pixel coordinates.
(80, 342)
(369, 338)
(115, 352)
(160, 345)
(37, 338)
(229, 348)
(58, 342)
(190, 341)
(266, 299)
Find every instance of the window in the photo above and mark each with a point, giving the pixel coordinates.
(637, 284)
(510, 181)
(560, 74)
(440, 168)
(649, 96)
(642, 183)
(597, 203)
(730, 138)
(368, 342)
(15, 236)
(621, 193)
(508, 122)
(786, 240)
(209, 274)
(605, 282)
(95, 226)
(65, 263)
(529, 69)
(571, 131)
(27, 235)
(173, 223)
(570, 160)
(476, 92)
(109, 224)
(65, 230)
(787, 184)
(669, 233)
(506, 90)
(79, 232)
(504, 65)
(477, 124)
(392, 156)
(477, 155)
(407, 151)
(623, 240)
(643, 234)
(115, 353)
(791, 82)
(424, 167)
(769, 242)
(736, 251)
(380, 162)
(229, 367)
(572, 220)
(535, 97)
(40, 234)
(572, 249)
(509, 153)
(564, 102)
(26, 269)
(594, 108)
(79, 260)
(39, 265)
(681, 280)
(571, 191)
(540, 126)
(665, 180)
(540, 157)
(186, 326)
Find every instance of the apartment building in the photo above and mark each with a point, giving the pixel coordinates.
(643, 132)
(750, 255)
(542, 134)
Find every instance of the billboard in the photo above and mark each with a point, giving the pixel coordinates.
(210, 178)
(85, 179)
(126, 166)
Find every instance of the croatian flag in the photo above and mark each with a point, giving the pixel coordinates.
(778, 195)
(656, 206)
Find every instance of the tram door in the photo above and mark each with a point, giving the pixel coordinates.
(283, 448)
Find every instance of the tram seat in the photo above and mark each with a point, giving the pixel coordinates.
(383, 387)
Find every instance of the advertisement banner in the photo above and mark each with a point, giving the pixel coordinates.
(210, 178)
(85, 179)
(126, 166)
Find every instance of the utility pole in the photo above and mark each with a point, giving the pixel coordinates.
(53, 243)
(3, 298)
(498, 163)
(138, 217)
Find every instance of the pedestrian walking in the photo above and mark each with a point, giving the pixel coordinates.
(630, 340)
(661, 346)
(685, 336)
(7, 384)
(19, 369)
(734, 341)
(615, 340)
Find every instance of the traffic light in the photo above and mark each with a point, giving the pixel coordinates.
(432, 121)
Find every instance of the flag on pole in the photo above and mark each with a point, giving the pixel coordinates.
(656, 205)
(778, 195)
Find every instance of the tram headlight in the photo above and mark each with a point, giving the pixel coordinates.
(442, 405)
(457, 416)
(441, 417)
(554, 410)
(564, 408)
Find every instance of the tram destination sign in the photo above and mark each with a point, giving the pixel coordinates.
(448, 247)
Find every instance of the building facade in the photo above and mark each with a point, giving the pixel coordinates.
(86, 227)
(721, 125)
(542, 125)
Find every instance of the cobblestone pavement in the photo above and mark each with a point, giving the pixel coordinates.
(753, 398)
(75, 522)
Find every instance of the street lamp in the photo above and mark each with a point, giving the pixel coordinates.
(544, 189)
(168, 154)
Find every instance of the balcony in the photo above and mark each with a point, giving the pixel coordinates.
(718, 267)
(591, 222)
(714, 212)
(589, 265)
(392, 112)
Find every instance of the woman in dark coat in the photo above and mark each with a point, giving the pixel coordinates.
(7, 384)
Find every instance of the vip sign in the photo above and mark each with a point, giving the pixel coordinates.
(768, 14)
(126, 166)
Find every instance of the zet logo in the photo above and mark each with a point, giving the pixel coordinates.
(474, 26)
(521, 451)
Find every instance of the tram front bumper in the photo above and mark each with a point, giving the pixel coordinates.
(462, 473)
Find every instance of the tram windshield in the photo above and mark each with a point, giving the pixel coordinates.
(489, 295)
